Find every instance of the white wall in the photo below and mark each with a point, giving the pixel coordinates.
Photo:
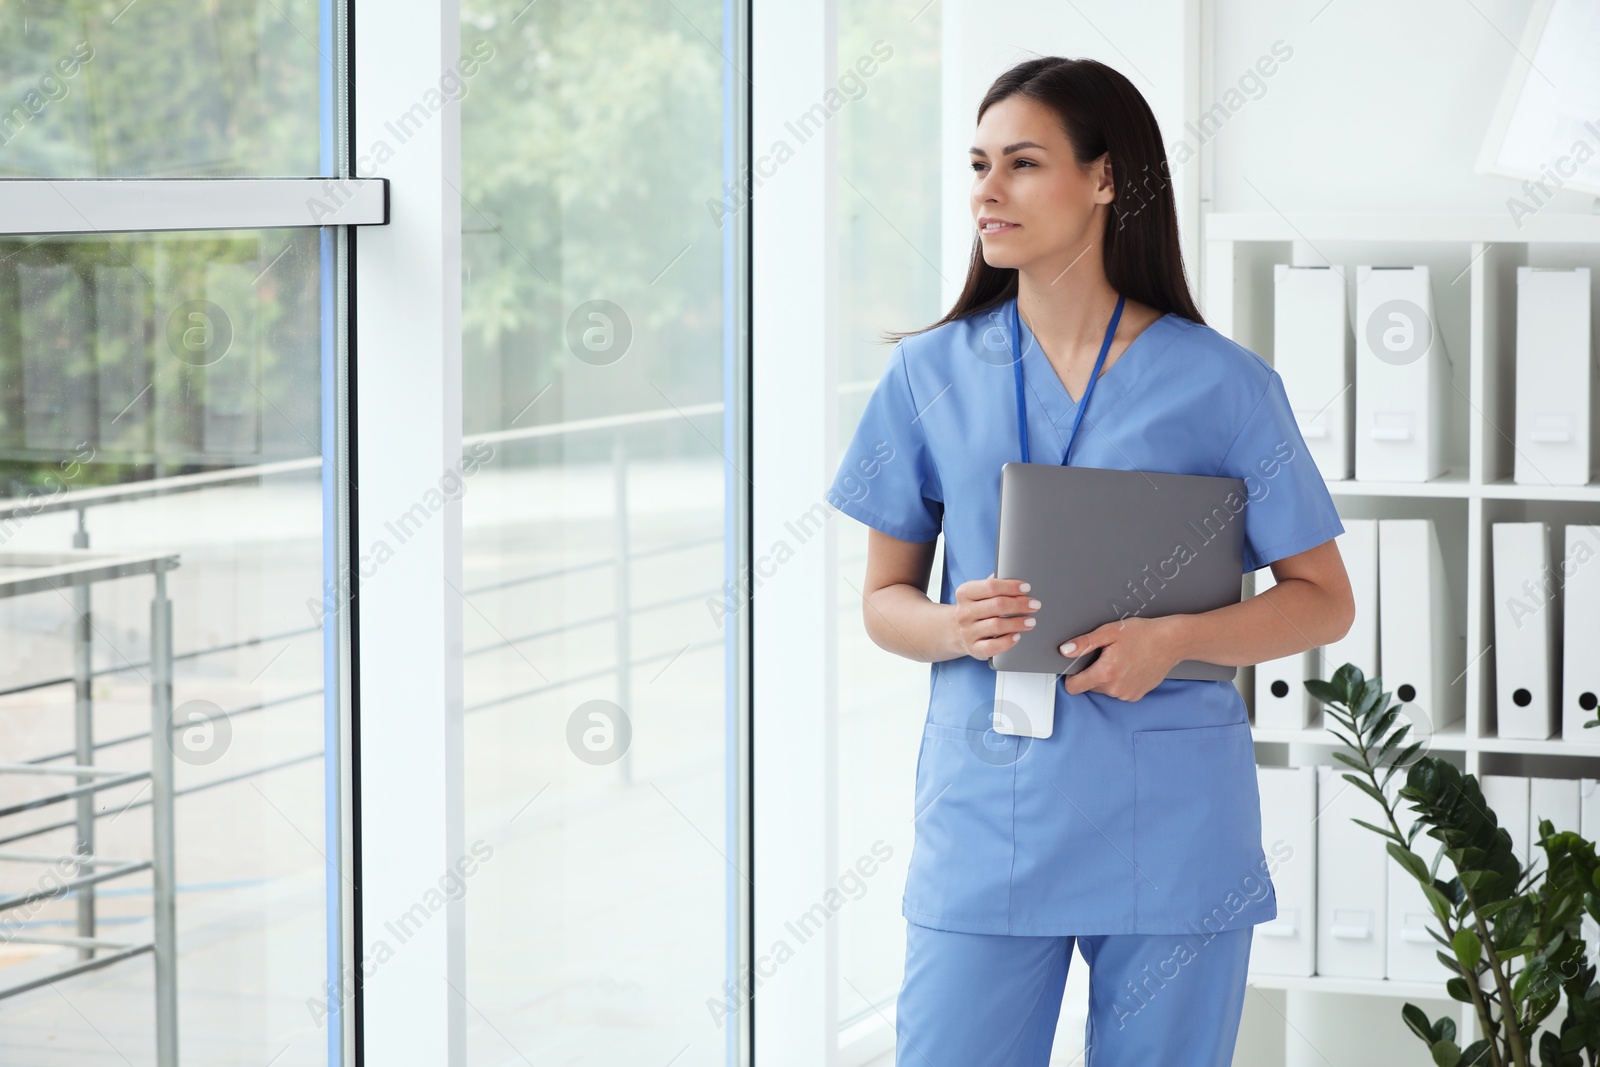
(1381, 107)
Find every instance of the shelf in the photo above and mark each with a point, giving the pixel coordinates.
(1497, 227)
(1451, 484)
(1367, 987)
(1456, 486)
(1506, 489)
(1555, 746)
(1475, 259)
(1450, 738)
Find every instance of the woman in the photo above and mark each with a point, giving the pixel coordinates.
(1134, 829)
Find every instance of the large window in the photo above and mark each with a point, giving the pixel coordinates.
(599, 625)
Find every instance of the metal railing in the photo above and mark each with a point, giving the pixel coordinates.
(77, 570)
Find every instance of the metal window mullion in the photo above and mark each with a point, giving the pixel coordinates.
(407, 617)
(794, 343)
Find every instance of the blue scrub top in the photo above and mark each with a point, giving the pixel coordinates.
(1133, 816)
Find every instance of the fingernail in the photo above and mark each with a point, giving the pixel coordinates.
(1025, 585)
(1030, 622)
(1033, 604)
(1069, 646)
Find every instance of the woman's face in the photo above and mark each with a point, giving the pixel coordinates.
(1024, 173)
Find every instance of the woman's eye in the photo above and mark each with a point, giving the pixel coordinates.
(980, 166)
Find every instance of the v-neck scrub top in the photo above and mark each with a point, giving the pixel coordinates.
(1133, 816)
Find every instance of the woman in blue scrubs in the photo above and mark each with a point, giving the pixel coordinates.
(1133, 831)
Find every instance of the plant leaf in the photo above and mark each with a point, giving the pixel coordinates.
(1322, 691)
(1404, 758)
(1441, 903)
(1349, 760)
(1469, 950)
(1343, 739)
(1368, 788)
(1417, 1019)
(1407, 859)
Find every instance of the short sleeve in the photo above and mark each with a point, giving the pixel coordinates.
(1288, 508)
(887, 478)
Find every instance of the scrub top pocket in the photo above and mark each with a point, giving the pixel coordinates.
(965, 821)
(1197, 828)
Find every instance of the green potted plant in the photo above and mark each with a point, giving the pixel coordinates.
(1510, 936)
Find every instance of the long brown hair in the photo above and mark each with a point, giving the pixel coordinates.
(1100, 111)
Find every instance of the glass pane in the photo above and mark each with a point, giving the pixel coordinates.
(160, 399)
(889, 213)
(160, 88)
(597, 646)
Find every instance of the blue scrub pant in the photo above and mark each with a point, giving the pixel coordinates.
(992, 1000)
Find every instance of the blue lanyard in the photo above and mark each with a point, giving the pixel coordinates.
(1016, 346)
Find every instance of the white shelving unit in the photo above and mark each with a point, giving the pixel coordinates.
(1473, 261)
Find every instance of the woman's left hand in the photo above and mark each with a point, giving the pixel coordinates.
(1135, 655)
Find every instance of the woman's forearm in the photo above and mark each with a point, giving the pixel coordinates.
(901, 619)
(1292, 616)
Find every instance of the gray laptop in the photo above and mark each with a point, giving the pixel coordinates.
(1097, 545)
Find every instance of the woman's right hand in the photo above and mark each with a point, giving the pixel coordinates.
(980, 606)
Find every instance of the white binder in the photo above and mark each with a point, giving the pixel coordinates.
(1409, 948)
(1589, 827)
(1555, 799)
(1352, 880)
(1313, 352)
(1288, 944)
(1554, 372)
(1358, 547)
(1507, 796)
(1402, 376)
(1281, 698)
(1580, 625)
(1420, 653)
(1525, 609)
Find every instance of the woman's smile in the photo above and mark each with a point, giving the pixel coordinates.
(989, 226)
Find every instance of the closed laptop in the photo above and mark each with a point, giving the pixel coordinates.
(1098, 545)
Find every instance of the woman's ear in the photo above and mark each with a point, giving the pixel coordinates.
(1104, 179)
